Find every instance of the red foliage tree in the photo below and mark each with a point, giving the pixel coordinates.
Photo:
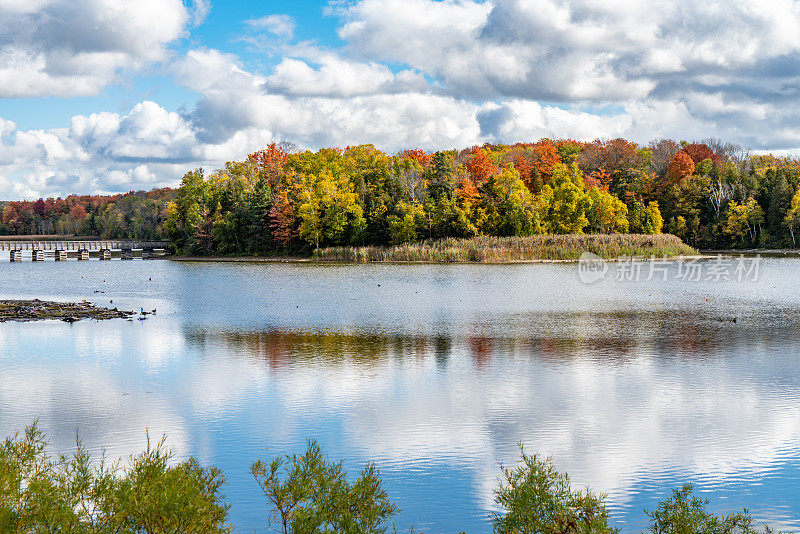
(699, 152)
(283, 220)
(270, 163)
(608, 155)
(78, 212)
(599, 178)
(40, 207)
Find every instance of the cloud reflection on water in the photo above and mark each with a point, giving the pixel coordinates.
(620, 400)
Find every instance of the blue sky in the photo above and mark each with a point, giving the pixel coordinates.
(223, 29)
(103, 96)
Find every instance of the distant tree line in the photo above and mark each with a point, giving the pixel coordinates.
(711, 194)
(135, 215)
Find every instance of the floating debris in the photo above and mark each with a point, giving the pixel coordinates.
(69, 312)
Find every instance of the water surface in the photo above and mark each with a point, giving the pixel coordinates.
(435, 372)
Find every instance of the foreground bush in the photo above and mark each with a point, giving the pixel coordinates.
(74, 494)
(537, 499)
(684, 513)
(308, 494)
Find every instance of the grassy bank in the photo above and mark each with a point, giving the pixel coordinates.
(510, 249)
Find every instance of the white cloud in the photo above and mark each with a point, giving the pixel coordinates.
(204, 70)
(77, 47)
(278, 25)
(412, 73)
(571, 51)
(339, 103)
(106, 152)
(200, 10)
(337, 77)
(518, 120)
(390, 121)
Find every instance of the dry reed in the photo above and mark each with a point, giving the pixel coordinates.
(510, 249)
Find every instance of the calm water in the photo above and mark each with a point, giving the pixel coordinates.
(434, 372)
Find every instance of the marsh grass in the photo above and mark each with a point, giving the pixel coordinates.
(511, 249)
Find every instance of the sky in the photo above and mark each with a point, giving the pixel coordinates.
(107, 96)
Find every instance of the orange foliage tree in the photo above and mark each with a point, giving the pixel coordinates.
(417, 155)
(680, 167)
(480, 166)
(546, 158)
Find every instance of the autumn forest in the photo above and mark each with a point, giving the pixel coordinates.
(278, 200)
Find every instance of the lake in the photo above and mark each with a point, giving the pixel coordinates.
(434, 372)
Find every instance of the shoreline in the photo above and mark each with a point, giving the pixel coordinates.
(753, 251)
(270, 259)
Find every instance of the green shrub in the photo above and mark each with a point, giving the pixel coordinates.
(74, 494)
(309, 495)
(537, 499)
(684, 513)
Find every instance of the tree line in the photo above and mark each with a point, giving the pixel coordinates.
(135, 215)
(711, 194)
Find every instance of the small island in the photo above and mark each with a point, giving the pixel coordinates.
(40, 310)
(488, 249)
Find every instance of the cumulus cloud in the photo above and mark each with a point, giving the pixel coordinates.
(337, 77)
(577, 50)
(392, 121)
(552, 68)
(107, 153)
(204, 70)
(77, 47)
(411, 73)
(322, 101)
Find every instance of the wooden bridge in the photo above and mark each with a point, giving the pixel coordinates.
(83, 250)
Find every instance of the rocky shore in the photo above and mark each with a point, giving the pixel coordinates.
(38, 310)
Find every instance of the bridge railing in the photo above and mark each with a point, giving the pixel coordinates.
(115, 244)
